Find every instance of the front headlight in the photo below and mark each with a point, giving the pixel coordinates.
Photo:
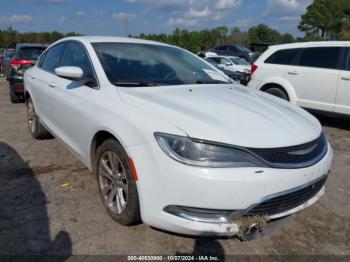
(205, 154)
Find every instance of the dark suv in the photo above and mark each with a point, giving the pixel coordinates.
(24, 57)
(236, 50)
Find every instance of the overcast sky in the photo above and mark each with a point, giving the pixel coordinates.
(117, 17)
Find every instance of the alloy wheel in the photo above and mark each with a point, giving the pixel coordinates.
(113, 182)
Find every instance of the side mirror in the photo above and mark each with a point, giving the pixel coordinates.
(70, 72)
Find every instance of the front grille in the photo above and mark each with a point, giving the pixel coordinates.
(296, 156)
(287, 201)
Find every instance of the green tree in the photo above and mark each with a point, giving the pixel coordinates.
(196, 41)
(263, 33)
(9, 37)
(325, 18)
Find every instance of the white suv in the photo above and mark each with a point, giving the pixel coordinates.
(313, 75)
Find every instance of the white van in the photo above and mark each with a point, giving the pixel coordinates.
(313, 75)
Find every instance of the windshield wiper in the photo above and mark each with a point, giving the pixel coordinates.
(135, 83)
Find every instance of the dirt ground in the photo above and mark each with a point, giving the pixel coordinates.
(49, 204)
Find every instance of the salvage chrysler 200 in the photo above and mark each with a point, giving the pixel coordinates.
(172, 141)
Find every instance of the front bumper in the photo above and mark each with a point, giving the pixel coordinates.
(164, 182)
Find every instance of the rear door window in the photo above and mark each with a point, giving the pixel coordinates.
(320, 57)
(52, 58)
(215, 59)
(284, 57)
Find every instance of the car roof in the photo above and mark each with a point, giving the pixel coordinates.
(310, 44)
(110, 39)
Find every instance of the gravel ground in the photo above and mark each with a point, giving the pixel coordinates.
(49, 204)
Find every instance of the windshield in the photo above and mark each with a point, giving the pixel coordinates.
(133, 64)
(239, 61)
(31, 53)
(244, 49)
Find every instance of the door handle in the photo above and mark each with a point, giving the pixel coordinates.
(293, 73)
(346, 78)
(33, 77)
(52, 85)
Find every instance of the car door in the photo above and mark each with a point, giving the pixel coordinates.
(42, 80)
(342, 104)
(315, 77)
(73, 103)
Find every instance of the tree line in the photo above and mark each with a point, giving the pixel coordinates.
(10, 37)
(196, 41)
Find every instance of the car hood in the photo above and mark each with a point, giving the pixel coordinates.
(226, 113)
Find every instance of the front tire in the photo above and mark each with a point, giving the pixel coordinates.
(36, 129)
(116, 183)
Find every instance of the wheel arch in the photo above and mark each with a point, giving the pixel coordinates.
(97, 140)
(283, 84)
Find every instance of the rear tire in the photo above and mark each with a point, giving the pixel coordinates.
(276, 91)
(116, 183)
(36, 129)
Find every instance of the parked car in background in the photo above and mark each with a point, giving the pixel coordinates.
(174, 142)
(2, 66)
(5, 58)
(7, 54)
(236, 50)
(314, 75)
(204, 54)
(232, 64)
(236, 76)
(24, 57)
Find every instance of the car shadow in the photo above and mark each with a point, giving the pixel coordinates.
(332, 120)
(206, 247)
(24, 221)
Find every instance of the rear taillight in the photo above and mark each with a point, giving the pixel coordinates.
(253, 68)
(17, 63)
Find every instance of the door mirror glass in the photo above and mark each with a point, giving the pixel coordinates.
(70, 72)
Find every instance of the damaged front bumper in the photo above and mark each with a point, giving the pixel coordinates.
(247, 224)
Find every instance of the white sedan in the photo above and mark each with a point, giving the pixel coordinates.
(231, 63)
(171, 141)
